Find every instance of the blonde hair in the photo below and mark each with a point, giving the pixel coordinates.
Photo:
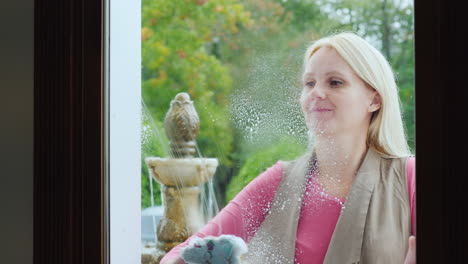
(386, 133)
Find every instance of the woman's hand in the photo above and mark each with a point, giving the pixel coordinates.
(411, 255)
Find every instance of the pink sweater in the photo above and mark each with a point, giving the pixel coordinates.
(319, 214)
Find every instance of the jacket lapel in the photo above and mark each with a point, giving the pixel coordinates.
(346, 242)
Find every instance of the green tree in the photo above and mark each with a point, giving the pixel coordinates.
(179, 55)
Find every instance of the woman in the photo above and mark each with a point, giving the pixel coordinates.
(351, 197)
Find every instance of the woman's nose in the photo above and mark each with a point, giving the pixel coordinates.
(318, 92)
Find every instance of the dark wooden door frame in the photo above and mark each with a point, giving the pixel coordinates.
(68, 131)
(69, 143)
(441, 128)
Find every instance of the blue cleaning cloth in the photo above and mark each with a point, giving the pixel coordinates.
(225, 249)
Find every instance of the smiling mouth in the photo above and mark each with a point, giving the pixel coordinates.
(321, 110)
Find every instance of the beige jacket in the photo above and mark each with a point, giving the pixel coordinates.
(373, 227)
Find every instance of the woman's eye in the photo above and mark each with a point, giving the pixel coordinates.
(309, 84)
(336, 83)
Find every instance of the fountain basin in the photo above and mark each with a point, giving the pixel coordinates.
(183, 172)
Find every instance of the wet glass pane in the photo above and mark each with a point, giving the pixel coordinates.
(221, 97)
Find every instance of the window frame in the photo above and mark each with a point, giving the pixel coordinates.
(71, 205)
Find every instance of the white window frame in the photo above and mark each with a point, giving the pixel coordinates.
(122, 43)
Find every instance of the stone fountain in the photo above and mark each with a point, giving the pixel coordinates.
(181, 177)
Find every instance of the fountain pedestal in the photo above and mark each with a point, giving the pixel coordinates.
(180, 181)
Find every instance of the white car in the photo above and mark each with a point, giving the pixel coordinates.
(148, 229)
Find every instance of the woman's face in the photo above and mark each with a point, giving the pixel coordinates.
(334, 99)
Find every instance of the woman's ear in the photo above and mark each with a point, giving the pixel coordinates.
(376, 102)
